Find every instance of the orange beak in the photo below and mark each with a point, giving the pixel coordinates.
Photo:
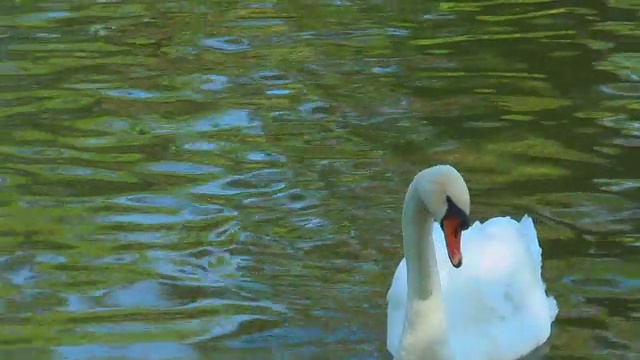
(452, 236)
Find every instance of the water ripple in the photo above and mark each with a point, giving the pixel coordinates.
(227, 120)
(622, 89)
(42, 18)
(227, 43)
(294, 199)
(145, 294)
(622, 122)
(215, 83)
(195, 178)
(153, 200)
(132, 93)
(259, 181)
(213, 270)
(190, 214)
(161, 350)
(178, 168)
(598, 213)
(272, 78)
(263, 156)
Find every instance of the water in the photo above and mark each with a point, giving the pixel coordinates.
(198, 180)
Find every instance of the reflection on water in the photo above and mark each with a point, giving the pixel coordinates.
(182, 179)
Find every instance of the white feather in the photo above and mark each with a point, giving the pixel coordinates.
(493, 307)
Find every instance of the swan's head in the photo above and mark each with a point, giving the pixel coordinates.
(446, 197)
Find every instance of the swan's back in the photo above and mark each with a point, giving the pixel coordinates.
(495, 304)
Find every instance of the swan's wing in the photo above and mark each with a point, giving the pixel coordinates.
(496, 302)
(529, 236)
(396, 308)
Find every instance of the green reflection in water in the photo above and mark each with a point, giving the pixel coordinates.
(196, 178)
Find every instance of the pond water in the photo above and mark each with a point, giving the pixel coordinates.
(224, 179)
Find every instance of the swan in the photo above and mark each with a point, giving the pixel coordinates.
(494, 307)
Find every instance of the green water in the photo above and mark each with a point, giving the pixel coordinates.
(223, 179)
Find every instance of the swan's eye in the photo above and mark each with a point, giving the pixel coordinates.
(464, 225)
(454, 211)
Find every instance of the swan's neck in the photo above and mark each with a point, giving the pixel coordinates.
(417, 228)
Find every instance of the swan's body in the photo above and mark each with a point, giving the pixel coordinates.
(493, 307)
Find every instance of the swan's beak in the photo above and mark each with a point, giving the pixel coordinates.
(452, 228)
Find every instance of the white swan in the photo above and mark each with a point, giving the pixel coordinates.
(494, 307)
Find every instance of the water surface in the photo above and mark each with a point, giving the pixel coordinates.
(200, 179)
